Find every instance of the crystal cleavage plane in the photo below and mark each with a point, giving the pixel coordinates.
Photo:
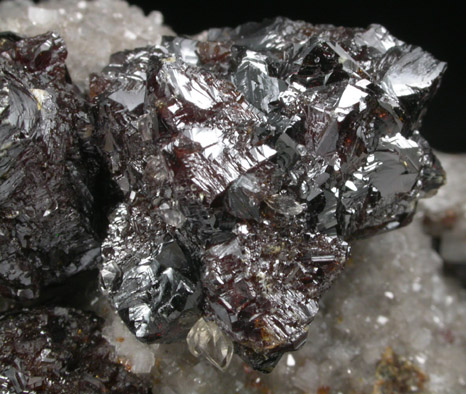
(248, 159)
(49, 228)
(60, 350)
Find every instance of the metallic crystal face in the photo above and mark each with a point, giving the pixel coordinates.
(60, 350)
(259, 151)
(155, 287)
(48, 219)
(263, 286)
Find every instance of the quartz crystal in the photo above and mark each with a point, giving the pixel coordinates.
(391, 295)
(247, 158)
(50, 223)
(206, 339)
(92, 30)
(60, 350)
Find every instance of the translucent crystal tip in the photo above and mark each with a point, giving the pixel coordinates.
(207, 340)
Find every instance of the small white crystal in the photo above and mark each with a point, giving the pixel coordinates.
(173, 217)
(389, 295)
(92, 30)
(41, 16)
(286, 205)
(290, 361)
(382, 320)
(206, 339)
(137, 356)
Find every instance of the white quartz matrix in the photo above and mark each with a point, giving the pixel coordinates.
(392, 294)
(92, 30)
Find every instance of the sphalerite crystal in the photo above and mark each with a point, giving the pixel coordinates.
(49, 219)
(248, 158)
(60, 350)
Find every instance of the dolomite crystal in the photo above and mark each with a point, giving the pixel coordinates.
(247, 160)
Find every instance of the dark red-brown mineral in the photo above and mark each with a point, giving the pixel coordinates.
(254, 155)
(49, 221)
(60, 350)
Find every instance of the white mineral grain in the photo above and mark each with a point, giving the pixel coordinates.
(92, 30)
(135, 355)
(446, 214)
(392, 294)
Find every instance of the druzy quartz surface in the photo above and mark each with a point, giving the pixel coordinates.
(247, 159)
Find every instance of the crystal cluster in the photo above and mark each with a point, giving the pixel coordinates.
(92, 30)
(243, 161)
(247, 159)
(50, 221)
(58, 350)
(391, 295)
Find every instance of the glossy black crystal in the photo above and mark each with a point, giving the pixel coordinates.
(48, 168)
(60, 350)
(256, 153)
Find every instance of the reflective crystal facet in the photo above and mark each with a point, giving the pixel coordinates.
(206, 339)
(259, 151)
(49, 217)
(60, 350)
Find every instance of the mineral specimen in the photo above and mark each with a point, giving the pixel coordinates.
(58, 350)
(92, 30)
(247, 159)
(48, 168)
(392, 293)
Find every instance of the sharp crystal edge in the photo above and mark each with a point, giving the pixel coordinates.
(246, 162)
(205, 338)
(60, 350)
(50, 227)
